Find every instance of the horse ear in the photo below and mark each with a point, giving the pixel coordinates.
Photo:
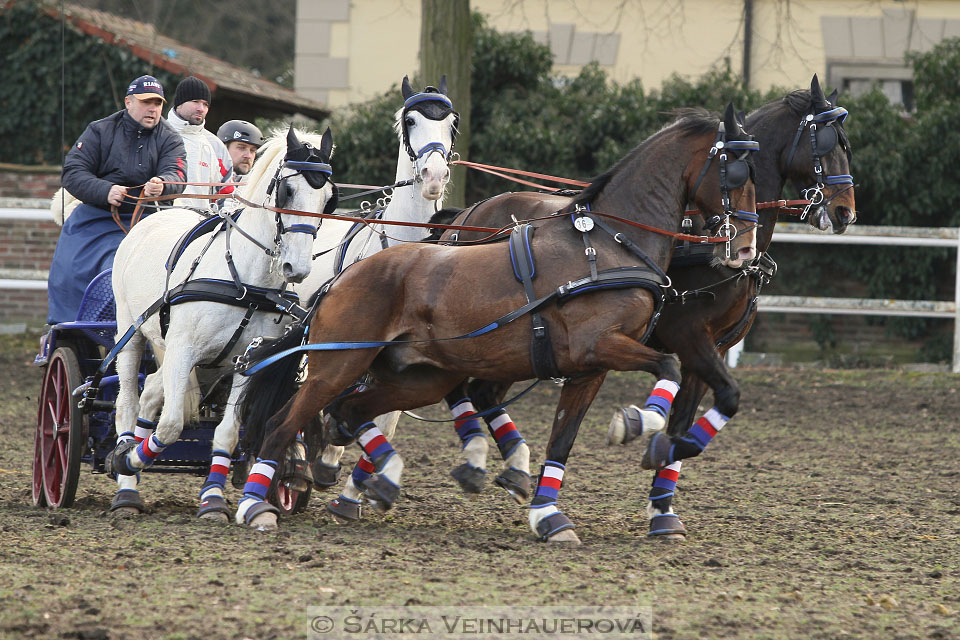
(292, 141)
(405, 88)
(326, 144)
(443, 84)
(730, 121)
(816, 92)
(742, 117)
(833, 97)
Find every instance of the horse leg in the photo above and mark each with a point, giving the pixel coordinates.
(515, 476)
(130, 457)
(347, 506)
(213, 506)
(127, 500)
(545, 519)
(472, 474)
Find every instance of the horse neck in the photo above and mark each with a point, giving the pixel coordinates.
(770, 132)
(253, 265)
(649, 190)
(408, 205)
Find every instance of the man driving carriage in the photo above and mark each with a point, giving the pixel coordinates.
(207, 158)
(116, 159)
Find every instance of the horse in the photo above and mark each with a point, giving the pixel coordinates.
(405, 305)
(426, 127)
(228, 285)
(717, 305)
(802, 139)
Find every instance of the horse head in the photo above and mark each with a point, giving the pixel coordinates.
(427, 127)
(301, 182)
(721, 187)
(818, 160)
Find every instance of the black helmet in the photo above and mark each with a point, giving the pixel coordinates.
(240, 130)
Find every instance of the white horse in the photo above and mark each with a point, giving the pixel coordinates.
(426, 127)
(246, 260)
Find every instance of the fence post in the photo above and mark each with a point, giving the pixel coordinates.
(956, 320)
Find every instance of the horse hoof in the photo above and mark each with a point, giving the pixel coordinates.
(214, 508)
(325, 475)
(344, 511)
(127, 502)
(516, 483)
(381, 490)
(567, 536)
(470, 478)
(657, 454)
(266, 521)
(625, 425)
(667, 526)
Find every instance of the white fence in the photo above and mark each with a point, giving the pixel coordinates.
(784, 232)
(878, 236)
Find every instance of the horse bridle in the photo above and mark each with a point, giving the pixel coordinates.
(435, 106)
(316, 172)
(823, 139)
(733, 175)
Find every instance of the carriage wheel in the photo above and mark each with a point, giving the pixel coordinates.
(289, 501)
(38, 496)
(60, 429)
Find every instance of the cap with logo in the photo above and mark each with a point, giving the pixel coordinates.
(146, 87)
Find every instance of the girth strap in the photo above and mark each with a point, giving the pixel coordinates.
(542, 358)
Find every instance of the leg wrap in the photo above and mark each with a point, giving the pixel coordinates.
(374, 444)
(258, 482)
(465, 423)
(219, 468)
(144, 429)
(504, 432)
(146, 453)
(363, 470)
(661, 398)
(664, 486)
(548, 484)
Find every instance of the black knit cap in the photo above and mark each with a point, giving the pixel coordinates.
(191, 88)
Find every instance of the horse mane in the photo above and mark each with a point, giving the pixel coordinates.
(688, 121)
(269, 157)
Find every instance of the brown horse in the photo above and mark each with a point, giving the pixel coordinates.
(420, 340)
(717, 305)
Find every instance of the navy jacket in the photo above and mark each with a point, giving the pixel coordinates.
(118, 150)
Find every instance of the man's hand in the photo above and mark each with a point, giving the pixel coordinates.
(153, 188)
(115, 197)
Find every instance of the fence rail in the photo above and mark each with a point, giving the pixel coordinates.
(878, 236)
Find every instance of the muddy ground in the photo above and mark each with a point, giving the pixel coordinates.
(828, 508)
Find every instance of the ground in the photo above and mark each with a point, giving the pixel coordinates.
(827, 508)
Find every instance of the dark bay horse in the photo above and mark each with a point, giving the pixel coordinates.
(400, 314)
(718, 304)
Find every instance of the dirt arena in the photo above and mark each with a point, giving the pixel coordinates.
(829, 507)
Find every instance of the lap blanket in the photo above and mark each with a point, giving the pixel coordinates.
(87, 245)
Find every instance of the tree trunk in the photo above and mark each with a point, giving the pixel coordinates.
(446, 47)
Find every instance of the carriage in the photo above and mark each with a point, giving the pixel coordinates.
(69, 436)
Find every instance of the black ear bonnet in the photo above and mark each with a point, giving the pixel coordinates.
(308, 162)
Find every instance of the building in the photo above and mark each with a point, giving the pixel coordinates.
(351, 51)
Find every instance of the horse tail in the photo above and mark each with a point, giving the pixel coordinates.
(268, 390)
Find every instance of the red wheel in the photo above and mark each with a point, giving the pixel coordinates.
(38, 496)
(289, 501)
(60, 429)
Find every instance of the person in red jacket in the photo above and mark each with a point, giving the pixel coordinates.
(124, 155)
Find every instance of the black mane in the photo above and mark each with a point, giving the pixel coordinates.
(693, 121)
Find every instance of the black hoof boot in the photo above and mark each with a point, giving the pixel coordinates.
(116, 462)
(295, 471)
(212, 507)
(658, 453)
(344, 509)
(325, 475)
(382, 490)
(516, 483)
(667, 525)
(128, 500)
(626, 425)
(470, 478)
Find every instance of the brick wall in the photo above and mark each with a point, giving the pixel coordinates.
(26, 307)
(27, 244)
(22, 181)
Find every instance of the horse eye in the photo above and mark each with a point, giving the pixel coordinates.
(410, 122)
